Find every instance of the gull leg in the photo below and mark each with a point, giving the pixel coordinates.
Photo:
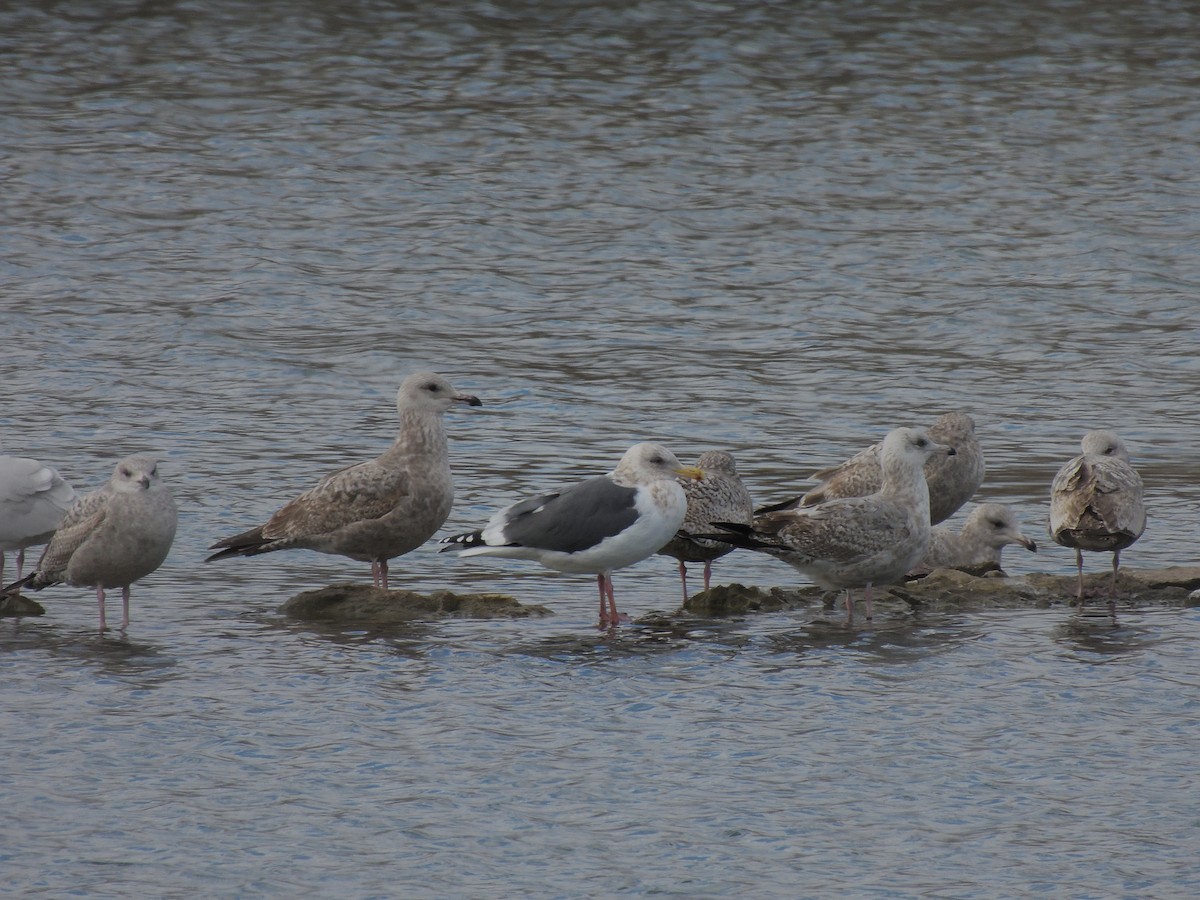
(383, 572)
(614, 616)
(603, 609)
(124, 607)
(867, 600)
(707, 573)
(1079, 565)
(1112, 588)
(20, 563)
(683, 578)
(849, 605)
(100, 603)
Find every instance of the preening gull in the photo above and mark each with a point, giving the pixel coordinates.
(1096, 503)
(952, 480)
(33, 500)
(977, 547)
(595, 526)
(377, 510)
(112, 537)
(856, 542)
(720, 496)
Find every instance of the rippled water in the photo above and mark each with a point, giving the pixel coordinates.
(232, 228)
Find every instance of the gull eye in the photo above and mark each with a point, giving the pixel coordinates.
(996, 523)
(433, 387)
(125, 472)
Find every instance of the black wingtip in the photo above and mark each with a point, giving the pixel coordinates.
(462, 541)
(791, 503)
(14, 589)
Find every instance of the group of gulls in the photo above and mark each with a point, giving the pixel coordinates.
(870, 521)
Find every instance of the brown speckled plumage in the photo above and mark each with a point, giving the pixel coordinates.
(719, 497)
(376, 510)
(1096, 502)
(952, 480)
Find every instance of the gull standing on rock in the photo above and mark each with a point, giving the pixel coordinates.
(112, 537)
(595, 526)
(856, 542)
(720, 496)
(1096, 503)
(377, 510)
(977, 547)
(33, 500)
(952, 480)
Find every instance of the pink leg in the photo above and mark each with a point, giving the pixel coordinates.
(849, 605)
(683, 578)
(1079, 565)
(613, 616)
(603, 608)
(100, 603)
(124, 607)
(707, 573)
(20, 562)
(383, 572)
(1112, 589)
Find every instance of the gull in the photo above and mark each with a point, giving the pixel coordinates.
(720, 496)
(1096, 503)
(33, 500)
(111, 537)
(855, 542)
(952, 480)
(376, 510)
(977, 547)
(595, 526)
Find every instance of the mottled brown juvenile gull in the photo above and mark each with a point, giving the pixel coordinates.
(1096, 503)
(977, 547)
(595, 526)
(112, 537)
(952, 480)
(33, 500)
(377, 510)
(720, 496)
(856, 542)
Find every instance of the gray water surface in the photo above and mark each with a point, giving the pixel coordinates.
(232, 228)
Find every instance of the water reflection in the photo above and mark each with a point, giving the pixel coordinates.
(1096, 638)
(113, 653)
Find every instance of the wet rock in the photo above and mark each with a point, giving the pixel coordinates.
(20, 605)
(737, 599)
(955, 589)
(363, 603)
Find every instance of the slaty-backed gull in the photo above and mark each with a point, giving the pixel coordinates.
(595, 526)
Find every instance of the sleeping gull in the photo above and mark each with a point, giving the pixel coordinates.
(952, 480)
(856, 542)
(112, 537)
(720, 496)
(33, 500)
(377, 510)
(1096, 503)
(977, 547)
(595, 526)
